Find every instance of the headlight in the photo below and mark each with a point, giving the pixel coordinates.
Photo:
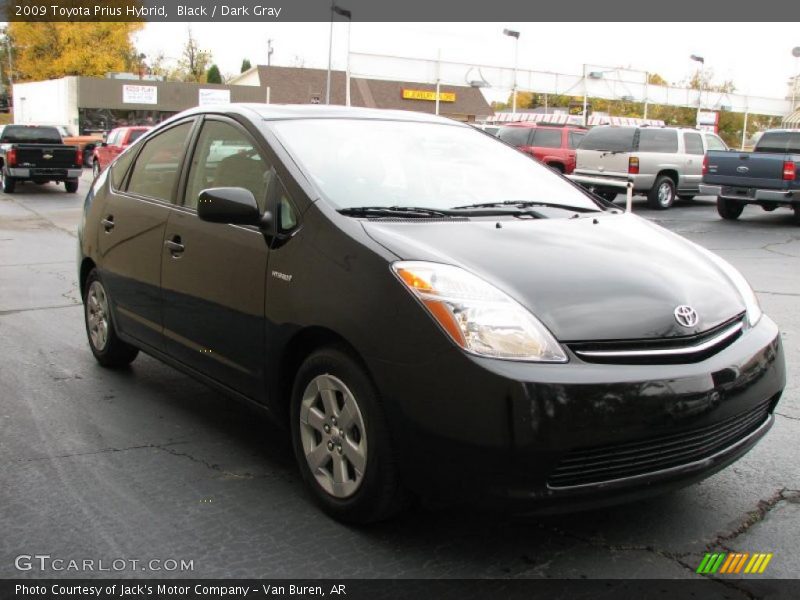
(751, 305)
(476, 315)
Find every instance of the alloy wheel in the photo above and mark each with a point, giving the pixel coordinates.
(333, 436)
(97, 315)
(665, 194)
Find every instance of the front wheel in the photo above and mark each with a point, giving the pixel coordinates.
(108, 349)
(341, 441)
(71, 185)
(8, 183)
(729, 209)
(662, 195)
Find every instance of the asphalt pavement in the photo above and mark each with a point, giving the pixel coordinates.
(146, 463)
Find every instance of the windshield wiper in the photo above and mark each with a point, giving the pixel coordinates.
(525, 204)
(393, 211)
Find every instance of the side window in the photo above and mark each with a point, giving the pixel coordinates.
(119, 167)
(658, 140)
(575, 138)
(714, 143)
(547, 138)
(156, 170)
(516, 136)
(225, 156)
(693, 143)
(113, 137)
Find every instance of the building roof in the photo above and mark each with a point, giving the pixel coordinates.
(298, 85)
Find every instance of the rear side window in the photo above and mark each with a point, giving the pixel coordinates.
(575, 138)
(614, 139)
(693, 143)
(547, 138)
(516, 136)
(156, 170)
(658, 140)
(781, 142)
(714, 143)
(22, 134)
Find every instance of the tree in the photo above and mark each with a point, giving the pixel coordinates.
(245, 65)
(213, 75)
(52, 50)
(193, 62)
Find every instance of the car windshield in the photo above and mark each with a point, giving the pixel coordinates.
(360, 162)
(23, 134)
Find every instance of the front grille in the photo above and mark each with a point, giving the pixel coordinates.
(674, 350)
(606, 463)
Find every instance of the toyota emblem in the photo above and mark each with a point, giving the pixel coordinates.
(686, 316)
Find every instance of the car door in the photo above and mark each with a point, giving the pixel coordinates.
(131, 237)
(213, 276)
(693, 170)
(104, 150)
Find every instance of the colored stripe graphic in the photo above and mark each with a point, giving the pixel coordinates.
(734, 562)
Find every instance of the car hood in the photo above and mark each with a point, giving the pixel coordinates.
(609, 277)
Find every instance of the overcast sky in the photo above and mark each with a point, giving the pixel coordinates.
(756, 56)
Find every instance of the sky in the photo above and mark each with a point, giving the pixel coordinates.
(756, 56)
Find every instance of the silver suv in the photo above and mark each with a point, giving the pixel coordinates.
(662, 162)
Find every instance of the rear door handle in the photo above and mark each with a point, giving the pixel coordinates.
(174, 245)
(108, 223)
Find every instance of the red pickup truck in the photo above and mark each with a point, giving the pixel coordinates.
(117, 140)
(554, 146)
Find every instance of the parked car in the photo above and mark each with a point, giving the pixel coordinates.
(553, 146)
(767, 176)
(382, 283)
(664, 163)
(117, 140)
(37, 153)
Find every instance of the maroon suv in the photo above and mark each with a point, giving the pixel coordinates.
(552, 145)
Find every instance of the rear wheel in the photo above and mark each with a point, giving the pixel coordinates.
(8, 184)
(729, 209)
(662, 195)
(108, 349)
(341, 441)
(71, 185)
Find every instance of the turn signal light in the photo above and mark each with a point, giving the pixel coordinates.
(705, 164)
(79, 157)
(11, 157)
(633, 165)
(789, 170)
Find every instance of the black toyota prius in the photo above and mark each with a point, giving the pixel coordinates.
(430, 312)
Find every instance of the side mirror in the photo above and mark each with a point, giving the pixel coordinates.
(233, 205)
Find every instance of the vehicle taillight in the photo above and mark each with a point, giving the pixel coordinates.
(79, 157)
(11, 157)
(705, 164)
(789, 170)
(633, 165)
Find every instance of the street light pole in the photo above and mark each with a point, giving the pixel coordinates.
(585, 98)
(515, 35)
(796, 54)
(349, 16)
(330, 57)
(702, 61)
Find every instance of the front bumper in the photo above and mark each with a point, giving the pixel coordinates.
(484, 429)
(750, 194)
(52, 174)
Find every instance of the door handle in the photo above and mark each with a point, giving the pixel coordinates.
(174, 245)
(108, 223)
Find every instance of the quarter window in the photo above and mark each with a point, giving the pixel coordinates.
(658, 140)
(547, 138)
(156, 170)
(693, 143)
(575, 138)
(225, 156)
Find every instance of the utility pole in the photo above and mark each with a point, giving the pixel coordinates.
(269, 52)
(330, 58)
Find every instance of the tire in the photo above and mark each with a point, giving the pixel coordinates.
(8, 184)
(796, 215)
(96, 168)
(108, 349)
(558, 168)
(607, 196)
(345, 461)
(71, 185)
(729, 209)
(662, 195)
(686, 196)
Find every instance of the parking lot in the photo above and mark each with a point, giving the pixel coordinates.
(149, 464)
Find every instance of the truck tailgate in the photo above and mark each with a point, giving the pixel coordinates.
(45, 157)
(745, 169)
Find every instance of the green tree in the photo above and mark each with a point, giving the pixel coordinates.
(194, 61)
(213, 75)
(245, 65)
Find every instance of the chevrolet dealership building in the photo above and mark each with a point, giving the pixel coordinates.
(85, 105)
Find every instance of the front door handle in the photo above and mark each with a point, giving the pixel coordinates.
(174, 245)
(108, 223)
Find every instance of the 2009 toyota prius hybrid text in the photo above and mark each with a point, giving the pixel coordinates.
(431, 312)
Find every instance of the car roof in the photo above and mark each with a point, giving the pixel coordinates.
(531, 125)
(278, 112)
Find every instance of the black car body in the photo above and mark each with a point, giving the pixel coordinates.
(769, 176)
(37, 153)
(545, 347)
